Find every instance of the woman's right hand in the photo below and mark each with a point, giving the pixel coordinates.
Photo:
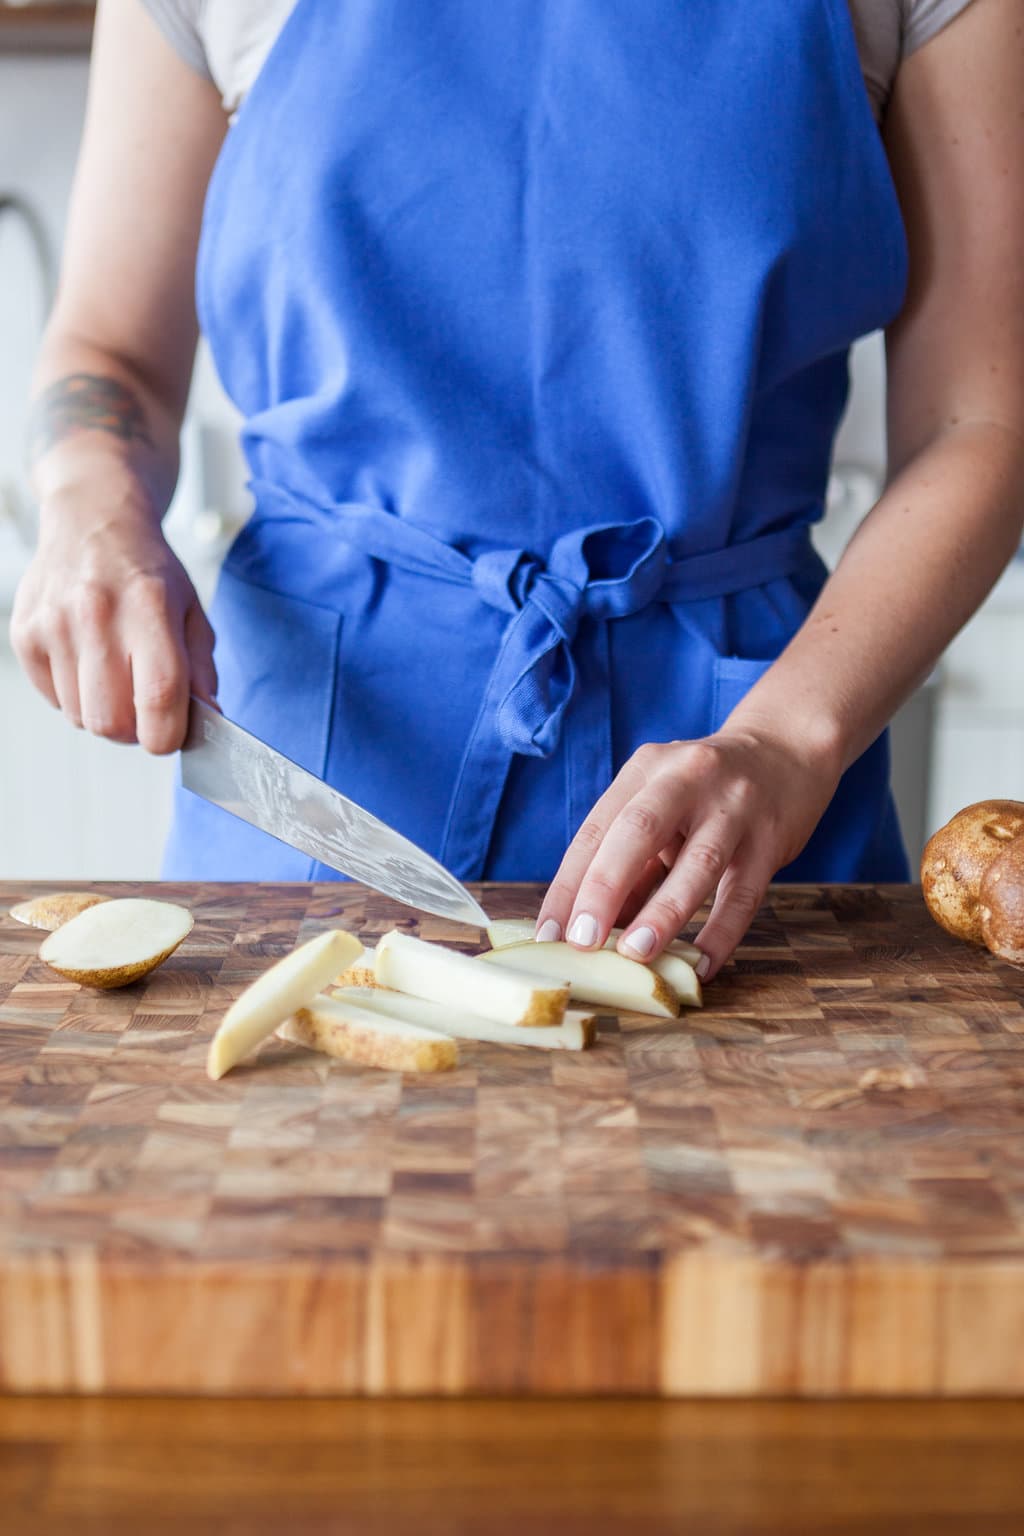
(108, 626)
(106, 622)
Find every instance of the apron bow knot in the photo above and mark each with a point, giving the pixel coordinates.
(601, 573)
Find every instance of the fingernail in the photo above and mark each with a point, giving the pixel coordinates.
(584, 931)
(641, 941)
(549, 932)
(703, 966)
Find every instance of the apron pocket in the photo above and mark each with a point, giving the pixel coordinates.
(734, 676)
(277, 659)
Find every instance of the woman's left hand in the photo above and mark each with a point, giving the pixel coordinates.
(681, 821)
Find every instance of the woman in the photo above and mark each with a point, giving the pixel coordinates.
(538, 316)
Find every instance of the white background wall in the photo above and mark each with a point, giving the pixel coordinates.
(41, 106)
(71, 807)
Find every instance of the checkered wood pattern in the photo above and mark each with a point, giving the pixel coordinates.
(847, 1112)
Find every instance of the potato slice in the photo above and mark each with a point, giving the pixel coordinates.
(575, 1033)
(595, 976)
(445, 976)
(361, 974)
(114, 943)
(288, 985)
(519, 930)
(509, 931)
(54, 910)
(681, 977)
(333, 1026)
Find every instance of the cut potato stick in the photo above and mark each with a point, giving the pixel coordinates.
(520, 930)
(290, 984)
(56, 909)
(681, 977)
(339, 1029)
(460, 981)
(509, 931)
(595, 976)
(575, 1033)
(357, 976)
(113, 943)
(361, 974)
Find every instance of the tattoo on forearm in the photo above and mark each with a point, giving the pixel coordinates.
(85, 402)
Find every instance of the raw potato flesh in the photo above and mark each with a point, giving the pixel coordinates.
(681, 977)
(53, 911)
(596, 976)
(669, 965)
(362, 973)
(460, 981)
(337, 1028)
(114, 943)
(288, 985)
(520, 930)
(575, 1033)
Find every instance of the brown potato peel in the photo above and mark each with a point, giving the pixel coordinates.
(972, 875)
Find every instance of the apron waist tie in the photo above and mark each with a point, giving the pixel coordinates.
(607, 571)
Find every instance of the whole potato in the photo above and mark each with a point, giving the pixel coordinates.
(1001, 904)
(957, 858)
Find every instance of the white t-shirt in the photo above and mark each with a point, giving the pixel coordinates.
(228, 42)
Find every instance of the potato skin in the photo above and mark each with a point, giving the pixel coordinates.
(53, 911)
(366, 1046)
(957, 857)
(1001, 904)
(113, 976)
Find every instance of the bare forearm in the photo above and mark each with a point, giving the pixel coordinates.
(915, 572)
(94, 417)
(106, 622)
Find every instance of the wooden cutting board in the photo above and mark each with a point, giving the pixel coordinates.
(814, 1186)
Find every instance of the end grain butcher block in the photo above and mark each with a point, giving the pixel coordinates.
(816, 1185)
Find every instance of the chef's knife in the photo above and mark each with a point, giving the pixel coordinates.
(240, 773)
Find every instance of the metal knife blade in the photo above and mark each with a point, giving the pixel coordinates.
(225, 765)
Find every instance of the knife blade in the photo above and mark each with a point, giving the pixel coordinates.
(224, 764)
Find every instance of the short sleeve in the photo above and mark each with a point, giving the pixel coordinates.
(178, 20)
(924, 18)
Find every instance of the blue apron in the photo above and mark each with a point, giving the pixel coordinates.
(538, 316)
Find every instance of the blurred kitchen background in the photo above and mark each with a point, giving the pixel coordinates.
(75, 808)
